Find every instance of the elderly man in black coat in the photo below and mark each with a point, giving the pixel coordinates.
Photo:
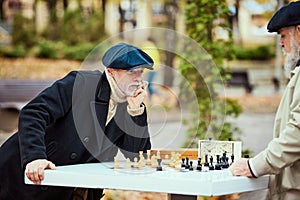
(84, 117)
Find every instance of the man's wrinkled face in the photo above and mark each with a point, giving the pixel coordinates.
(128, 80)
(290, 47)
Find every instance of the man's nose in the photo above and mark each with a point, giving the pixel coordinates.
(139, 77)
(281, 43)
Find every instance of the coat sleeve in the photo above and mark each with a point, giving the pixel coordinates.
(47, 107)
(284, 150)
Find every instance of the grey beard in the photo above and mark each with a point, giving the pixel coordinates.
(291, 60)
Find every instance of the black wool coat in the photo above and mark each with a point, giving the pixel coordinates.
(66, 124)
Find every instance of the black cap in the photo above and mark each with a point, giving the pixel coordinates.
(126, 56)
(286, 16)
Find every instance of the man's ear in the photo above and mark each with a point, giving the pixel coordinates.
(298, 29)
(297, 34)
(110, 71)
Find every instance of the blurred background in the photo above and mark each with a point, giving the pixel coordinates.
(42, 40)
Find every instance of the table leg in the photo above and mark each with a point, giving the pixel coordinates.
(181, 197)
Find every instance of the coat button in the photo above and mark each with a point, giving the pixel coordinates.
(73, 156)
(86, 139)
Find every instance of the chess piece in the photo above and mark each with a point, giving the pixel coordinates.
(206, 164)
(183, 164)
(225, 161)
(191, 166)
(128, 165)
(187, 162)
(135, 164)
(148, 160)
(199, 166)
(211, 166)
(116, 166)
(232, 159)
(159, 167)
(158, 154)
(153, 161)
(218, 165)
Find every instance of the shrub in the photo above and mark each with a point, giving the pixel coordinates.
(78, 52)
(14, 51)
(259, 53)
(76, 27)
(49, 49)
(23, 31)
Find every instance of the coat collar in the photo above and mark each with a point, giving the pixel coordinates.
(103, 94)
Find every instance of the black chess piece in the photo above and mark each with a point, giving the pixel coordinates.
(226, 162)
(232, 159)
(217, 165)
(159, 167)
(224, 159)
(199, 166)
(206, 164)
(191, 166)
(211, 166)
(182, 164)
(187, 166)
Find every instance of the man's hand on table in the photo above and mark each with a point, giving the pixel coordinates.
(240, 168)
(35, 170)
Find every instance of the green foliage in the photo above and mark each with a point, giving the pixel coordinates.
(48, 49)
(78, 52)
(23, 31)
(72, 36)
(203, 17)
(14, 51)
(263, 52)
(75, 27)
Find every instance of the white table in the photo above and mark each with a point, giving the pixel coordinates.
(179, 185)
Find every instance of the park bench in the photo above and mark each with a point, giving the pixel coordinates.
(16, 93)
(240, 78)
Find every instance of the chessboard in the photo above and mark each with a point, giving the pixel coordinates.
(172, 160)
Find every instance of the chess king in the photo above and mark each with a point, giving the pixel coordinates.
(282, 156)
(84, 117)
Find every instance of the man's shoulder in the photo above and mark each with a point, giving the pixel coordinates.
(88, 72)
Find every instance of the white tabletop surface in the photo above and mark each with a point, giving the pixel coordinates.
(170, 180)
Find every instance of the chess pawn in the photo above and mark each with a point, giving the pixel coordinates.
(158, 154)
(191, 166)
(232, 159)
(206, 164)
(159, 167)
(167, 160)
(199, 166)
(141, 162)
(187, 166)
(218, 166)
(153, 161)
(128, 165)
(116, 166)
(148, 160)
(135, 164)
(211, 166)
(183, 164)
